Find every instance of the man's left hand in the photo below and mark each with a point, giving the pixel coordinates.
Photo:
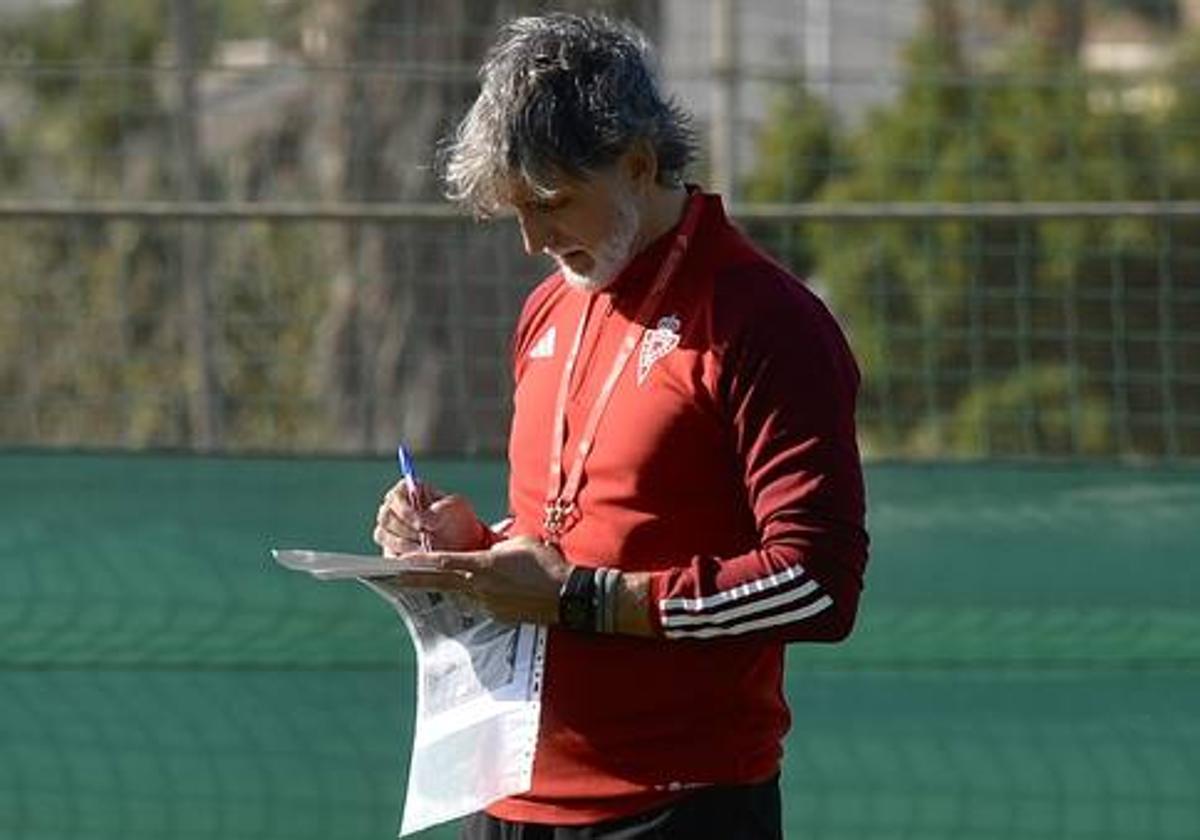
(517, 580)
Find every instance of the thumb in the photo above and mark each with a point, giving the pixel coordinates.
(519, 542)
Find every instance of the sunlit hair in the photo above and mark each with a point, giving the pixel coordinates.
(562, 96)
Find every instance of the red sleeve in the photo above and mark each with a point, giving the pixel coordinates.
(787, 383)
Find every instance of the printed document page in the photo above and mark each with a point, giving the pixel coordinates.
(478, 691)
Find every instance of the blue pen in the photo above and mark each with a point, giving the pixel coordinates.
(410, 486)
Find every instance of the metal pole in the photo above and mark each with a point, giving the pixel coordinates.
(299, 212)
(204, 412)
(724, 121)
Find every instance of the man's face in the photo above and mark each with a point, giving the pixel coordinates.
(590, 227)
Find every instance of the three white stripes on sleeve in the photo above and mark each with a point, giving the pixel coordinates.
(754, 605)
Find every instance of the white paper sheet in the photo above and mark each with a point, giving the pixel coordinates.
(479, 688)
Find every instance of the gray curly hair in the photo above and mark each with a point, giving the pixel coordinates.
(562, 95)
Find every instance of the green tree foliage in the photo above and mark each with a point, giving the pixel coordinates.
(66, 289)
(1181, 126)
(315, 335)
(93, 346)
(1013, 336)
(78, 111)
(1002, 336)
(797, 154)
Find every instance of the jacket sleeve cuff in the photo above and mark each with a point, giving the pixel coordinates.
(496, 532)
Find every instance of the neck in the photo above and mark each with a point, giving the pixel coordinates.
(661, 212)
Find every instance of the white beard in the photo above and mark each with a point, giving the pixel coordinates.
(610, 255)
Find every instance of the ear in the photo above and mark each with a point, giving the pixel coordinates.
(640, 165)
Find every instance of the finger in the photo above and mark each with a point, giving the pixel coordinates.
(455, 561)
(392, 524)
(439, 581)
(398, 530)
(396, 495)
(404, 520)
(426, 494)
(396, 504)
(385, 541)
(385, 511)
(396, 499)
(393, 544)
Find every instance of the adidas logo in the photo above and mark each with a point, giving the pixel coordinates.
(544, 349)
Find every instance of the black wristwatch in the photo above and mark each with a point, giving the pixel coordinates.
(577, 601)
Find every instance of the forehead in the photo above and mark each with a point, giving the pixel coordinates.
(518, 191)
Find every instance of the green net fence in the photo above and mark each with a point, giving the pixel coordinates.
(1026, 664)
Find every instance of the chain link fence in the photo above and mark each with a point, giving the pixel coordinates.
(222, 228)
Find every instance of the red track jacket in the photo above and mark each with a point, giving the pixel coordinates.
(726, 465)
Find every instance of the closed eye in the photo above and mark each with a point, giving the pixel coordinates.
(547, 204)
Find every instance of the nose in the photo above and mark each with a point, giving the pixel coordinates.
(534, 233)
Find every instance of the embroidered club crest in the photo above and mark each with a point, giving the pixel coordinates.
(657, 343)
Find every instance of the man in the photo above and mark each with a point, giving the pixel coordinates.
(685, 487)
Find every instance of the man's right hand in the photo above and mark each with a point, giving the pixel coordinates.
(449, 521)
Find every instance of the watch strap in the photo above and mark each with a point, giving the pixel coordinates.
(577, 600)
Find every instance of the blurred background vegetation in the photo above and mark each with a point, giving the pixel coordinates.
(221, 231)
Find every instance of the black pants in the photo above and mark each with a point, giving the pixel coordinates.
(733, 812)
